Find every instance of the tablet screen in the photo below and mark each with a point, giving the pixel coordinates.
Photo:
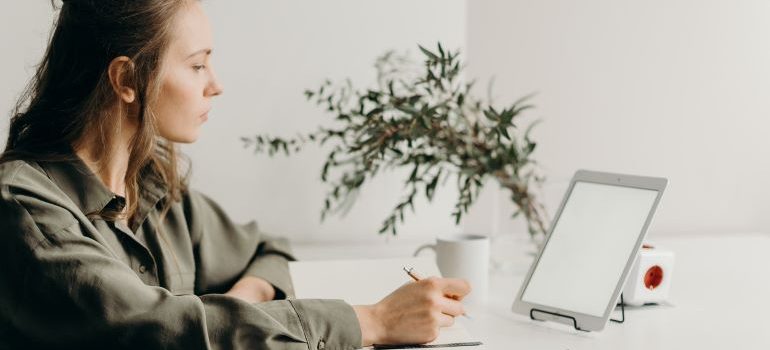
(589, 247)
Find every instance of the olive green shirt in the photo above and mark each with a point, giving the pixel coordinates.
(69, 280)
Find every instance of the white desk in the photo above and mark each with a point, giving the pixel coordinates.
(720, 299)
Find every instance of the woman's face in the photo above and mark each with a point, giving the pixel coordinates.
(188, 82)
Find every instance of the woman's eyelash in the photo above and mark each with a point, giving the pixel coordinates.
(198, 67)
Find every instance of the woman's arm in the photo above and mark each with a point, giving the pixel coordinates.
(252, 290)
(65, 290)
(411, 314)
(232, 258)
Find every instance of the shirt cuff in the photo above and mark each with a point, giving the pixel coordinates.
(274, 269)
(328, 324)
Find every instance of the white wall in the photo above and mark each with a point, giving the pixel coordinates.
(666, 88)
(24, 33)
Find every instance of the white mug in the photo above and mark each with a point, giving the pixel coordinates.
(464, 256)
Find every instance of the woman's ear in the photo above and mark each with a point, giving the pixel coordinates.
(119, 72)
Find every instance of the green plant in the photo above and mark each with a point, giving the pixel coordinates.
(426, 118)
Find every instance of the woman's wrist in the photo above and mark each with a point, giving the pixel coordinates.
(372, 331)
(252, 289)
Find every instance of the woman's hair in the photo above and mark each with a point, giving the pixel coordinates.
(70, 101)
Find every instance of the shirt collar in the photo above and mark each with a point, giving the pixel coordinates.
(88, 192)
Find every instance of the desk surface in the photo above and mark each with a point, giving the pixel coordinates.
(720, 298)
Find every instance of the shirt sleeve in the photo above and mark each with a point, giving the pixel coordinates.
(63, 289)
(248, 251)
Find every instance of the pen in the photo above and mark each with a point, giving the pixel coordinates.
(415, 277)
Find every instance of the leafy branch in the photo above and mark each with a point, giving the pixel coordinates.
(425, 118)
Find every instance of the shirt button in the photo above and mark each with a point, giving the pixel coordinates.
(142, 268)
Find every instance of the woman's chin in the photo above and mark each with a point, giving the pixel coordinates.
(183, 138)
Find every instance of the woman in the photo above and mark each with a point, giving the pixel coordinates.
(103, 245)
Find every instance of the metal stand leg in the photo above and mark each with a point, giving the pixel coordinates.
(622, 311)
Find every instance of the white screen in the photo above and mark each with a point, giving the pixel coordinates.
(590, 245)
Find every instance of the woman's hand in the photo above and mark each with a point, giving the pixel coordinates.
(252, 290)
(413, 313)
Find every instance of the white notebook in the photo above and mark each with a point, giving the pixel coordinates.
(367, 281)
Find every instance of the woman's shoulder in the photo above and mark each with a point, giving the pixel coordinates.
(21, 173)
(27, 192)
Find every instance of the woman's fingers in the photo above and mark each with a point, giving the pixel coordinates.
(452, 307)
(448, 293)
(455, 288)
(445, 320)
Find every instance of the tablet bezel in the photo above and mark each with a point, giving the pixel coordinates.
(580, 320)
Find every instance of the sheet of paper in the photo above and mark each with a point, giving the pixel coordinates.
(365, 281)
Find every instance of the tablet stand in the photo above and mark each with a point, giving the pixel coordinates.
(622, 311)
(574, 321)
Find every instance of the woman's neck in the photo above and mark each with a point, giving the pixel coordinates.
(112, 171)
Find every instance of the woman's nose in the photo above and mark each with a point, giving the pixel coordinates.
(214, 88)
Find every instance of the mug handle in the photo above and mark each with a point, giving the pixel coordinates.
(423, 247)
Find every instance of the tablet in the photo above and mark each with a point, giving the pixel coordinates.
(593, 242)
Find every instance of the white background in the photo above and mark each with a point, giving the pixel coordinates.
(674, 89)
(677, 89)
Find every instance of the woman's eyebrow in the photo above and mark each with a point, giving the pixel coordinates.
(206, 51)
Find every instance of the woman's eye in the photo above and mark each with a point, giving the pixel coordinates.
(199, 67)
